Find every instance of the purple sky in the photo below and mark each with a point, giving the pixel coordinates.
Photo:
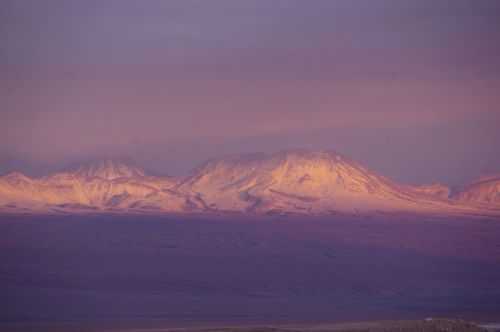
(409, 88)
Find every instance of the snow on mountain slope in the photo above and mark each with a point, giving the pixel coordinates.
(16, 188)
(485, 191)
(299, 181)
(287, 182)
(102, 185)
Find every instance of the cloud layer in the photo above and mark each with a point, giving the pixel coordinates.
(88, 78)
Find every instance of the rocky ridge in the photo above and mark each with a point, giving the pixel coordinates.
(296, 181)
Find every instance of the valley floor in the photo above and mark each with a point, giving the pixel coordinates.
(95, 270)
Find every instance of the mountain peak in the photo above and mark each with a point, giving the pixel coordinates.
(109, 169)
(309, 155)
(16, 177)
(293, 180)
(291, 155)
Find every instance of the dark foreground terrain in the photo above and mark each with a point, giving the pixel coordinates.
(104, 272)
(427, 325)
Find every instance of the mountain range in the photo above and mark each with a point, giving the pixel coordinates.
(289, 182)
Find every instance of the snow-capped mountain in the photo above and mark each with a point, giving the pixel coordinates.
(286, 182)
(300, 181)
(485, 191)
(102, 185)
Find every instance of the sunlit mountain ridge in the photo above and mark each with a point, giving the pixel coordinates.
(289, 182)
(485, 191)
